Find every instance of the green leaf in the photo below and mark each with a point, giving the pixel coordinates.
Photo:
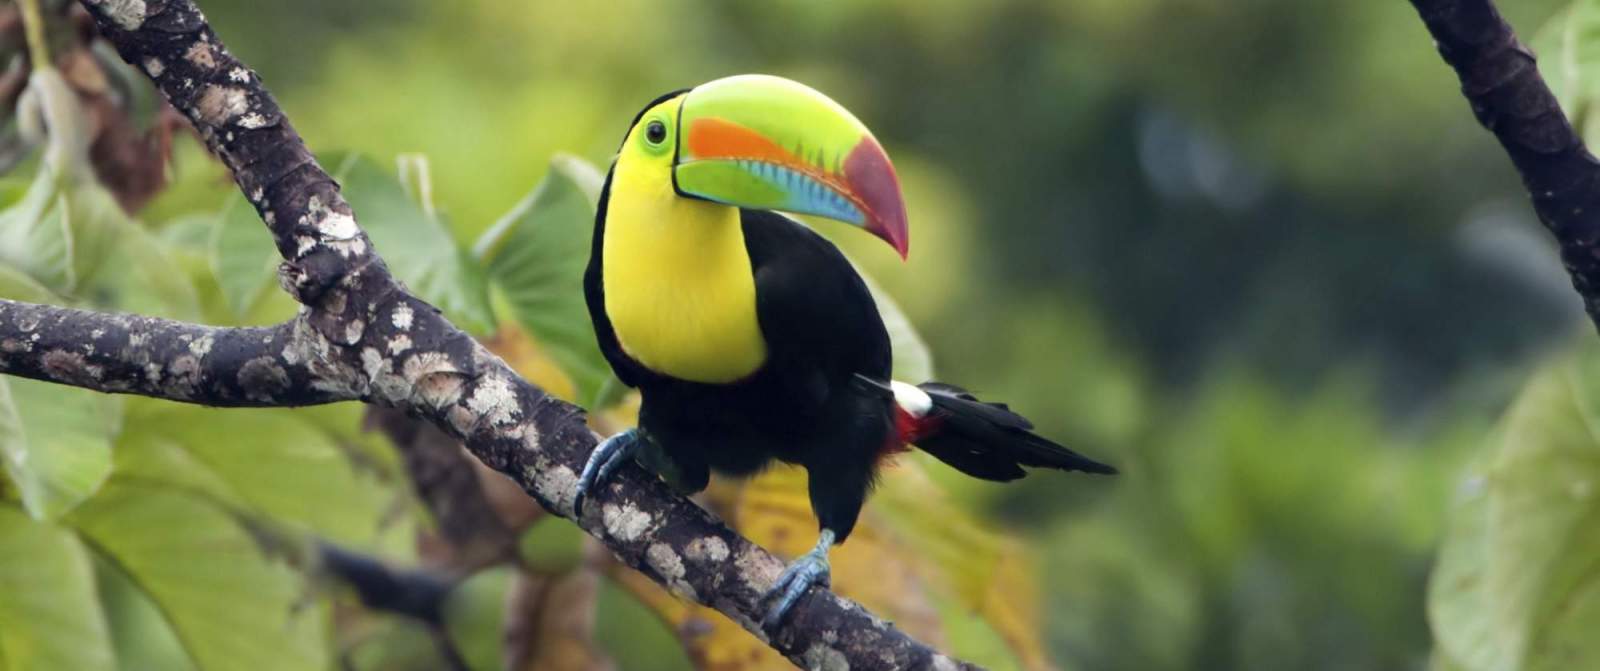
(274, 463)
(368, 448)
(1440, 662)
(33, 236)
(50, 617)
(243, 256)
(231, 605)
(18, 286)
(190, 233)
(149, 457)
(140, 634)
(198, 183)
(417, 246)
(635, 636)
(394, 644)
(56, 442)
(1569, 58)
(972, 638)
(552, 545)
(1518, 581)
(474, 617)
(537, 253)
(142, 276)
(12, 189)
(97, 226)
(1459, 606)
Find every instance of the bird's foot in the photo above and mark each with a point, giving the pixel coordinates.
(606, 458)
(807, 570)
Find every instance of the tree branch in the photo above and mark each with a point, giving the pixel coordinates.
(447, 481)
(370, 338)
(413, 593)
(129, 354)
(416, 594)
(1501, 81)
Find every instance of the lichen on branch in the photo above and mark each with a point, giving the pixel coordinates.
(130, 354)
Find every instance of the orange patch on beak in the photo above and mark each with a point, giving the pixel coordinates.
(715, 138)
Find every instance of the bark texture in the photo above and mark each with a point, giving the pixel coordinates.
(129, 354)
(362, 336)
(1500, 79)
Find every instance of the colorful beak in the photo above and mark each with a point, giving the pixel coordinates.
(770, 143)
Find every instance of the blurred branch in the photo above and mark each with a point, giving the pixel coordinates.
(550, 622)
(447, 481)
(419, 595)
(480, 516)
(372, 339)
(1501, 81)
(416, 594)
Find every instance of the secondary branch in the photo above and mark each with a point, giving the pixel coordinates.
(1501, 81)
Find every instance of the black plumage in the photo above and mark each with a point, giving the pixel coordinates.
(822, 399)
(821, 328)
(791, 362)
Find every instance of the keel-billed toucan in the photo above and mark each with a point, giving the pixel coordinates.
(750, 337)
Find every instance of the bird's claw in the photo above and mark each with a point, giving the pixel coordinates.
(809, 569)
(606, 458)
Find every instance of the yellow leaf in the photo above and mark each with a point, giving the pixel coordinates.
(774, 511)
(987, 572)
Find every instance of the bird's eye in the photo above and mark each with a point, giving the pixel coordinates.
(655, 133)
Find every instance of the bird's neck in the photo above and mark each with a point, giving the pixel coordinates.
(679, 288)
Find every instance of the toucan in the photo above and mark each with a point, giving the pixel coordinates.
(751, 338)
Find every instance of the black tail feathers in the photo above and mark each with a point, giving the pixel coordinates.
(989, 441)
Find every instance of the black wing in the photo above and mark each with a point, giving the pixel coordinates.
(819, 320)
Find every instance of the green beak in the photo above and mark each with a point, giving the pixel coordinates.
(769, 143)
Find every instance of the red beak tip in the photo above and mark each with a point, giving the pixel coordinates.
(895, 236)
(900, 235)
(870, 175)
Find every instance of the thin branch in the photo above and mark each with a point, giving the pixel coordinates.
(447, 481)
(416, 594)
(377, 341)
(1500, 79)
(129, 354)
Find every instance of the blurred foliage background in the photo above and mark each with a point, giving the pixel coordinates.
(1257, 254)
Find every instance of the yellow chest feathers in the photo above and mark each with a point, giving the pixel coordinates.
(678, 286)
